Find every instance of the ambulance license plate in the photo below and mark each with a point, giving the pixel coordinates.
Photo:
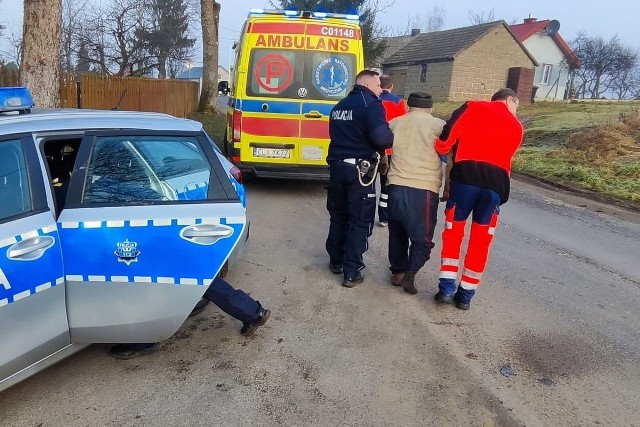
(277, 153)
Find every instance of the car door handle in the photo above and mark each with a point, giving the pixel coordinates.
(206, 234)
(30, 249)
(313, 114)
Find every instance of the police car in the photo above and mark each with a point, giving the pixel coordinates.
(112, 225)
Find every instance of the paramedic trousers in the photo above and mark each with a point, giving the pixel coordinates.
(484, 205)
(232, 301)
(413, 215)
(352, 209)
(383, 203)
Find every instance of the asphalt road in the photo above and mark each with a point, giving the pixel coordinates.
(552, 337)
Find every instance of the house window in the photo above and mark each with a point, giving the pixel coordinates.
(423, 73)
(546, 74)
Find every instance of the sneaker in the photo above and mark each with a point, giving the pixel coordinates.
(383, 223)
(250, 327)
(353, 281)
(129, 351)
(396, 279)
(443, 298)
(335, 268)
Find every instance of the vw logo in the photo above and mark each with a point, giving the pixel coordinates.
(302, 92)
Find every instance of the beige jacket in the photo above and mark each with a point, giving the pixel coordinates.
(415, 162)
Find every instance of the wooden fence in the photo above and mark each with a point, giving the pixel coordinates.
(176, 97)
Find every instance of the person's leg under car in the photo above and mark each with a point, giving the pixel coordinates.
(462, 199)
(483, 226)
(237, 304)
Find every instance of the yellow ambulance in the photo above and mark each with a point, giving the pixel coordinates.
(291, 67)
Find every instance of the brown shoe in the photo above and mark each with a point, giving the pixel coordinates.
(396, 279)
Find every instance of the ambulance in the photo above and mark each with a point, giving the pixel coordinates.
(292, 67)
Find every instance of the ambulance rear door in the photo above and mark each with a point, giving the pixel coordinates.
(331, 64)
(149, 220)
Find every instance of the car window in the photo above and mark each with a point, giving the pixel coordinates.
(139, 169)
(14, 181)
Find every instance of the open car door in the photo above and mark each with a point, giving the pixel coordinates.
(150, 218)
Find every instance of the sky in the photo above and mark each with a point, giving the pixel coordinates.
(597, 17)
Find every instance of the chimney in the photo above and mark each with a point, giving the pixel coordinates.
(415, 32)
(530, 19)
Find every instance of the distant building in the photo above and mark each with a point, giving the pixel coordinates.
(553, 55)
(460, 64)
(195, 73)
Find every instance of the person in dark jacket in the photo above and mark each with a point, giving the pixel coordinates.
(483, 137)
(358, 130)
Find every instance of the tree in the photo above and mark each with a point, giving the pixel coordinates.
(166, 32)
(433, 22)
(482, 17)
(72, 19)
(372, 43)
(604, 64)
(40, 70)
(210, 15)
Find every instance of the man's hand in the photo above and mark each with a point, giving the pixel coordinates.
(383, 167)
(445, 196)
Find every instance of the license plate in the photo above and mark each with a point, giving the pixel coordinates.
(277, 153)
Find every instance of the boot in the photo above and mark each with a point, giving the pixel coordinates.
(408, 283)
(396, 279)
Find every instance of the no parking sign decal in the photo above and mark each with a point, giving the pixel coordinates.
(273, 72)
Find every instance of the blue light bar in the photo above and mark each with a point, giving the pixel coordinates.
(256, 11)
(291, 13)
(15, 99)
(352, 17)
(320, 14)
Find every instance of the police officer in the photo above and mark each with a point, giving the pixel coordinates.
(358, 132)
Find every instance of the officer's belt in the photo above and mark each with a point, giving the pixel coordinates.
(351, 160)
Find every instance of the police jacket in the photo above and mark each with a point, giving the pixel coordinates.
(357, 126)
(484, 136)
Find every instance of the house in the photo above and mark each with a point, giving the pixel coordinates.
(462, 63)
(195, 74)
(553, 54)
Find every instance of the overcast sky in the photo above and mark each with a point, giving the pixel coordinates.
(598, 17)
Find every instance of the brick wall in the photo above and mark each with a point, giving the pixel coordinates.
(484, 67)
(438, 80)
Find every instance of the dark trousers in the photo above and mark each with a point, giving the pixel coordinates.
(352, 209)
(383, 204)
(413, 215)
(232, 301)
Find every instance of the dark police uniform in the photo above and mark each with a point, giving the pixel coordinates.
(358, 129)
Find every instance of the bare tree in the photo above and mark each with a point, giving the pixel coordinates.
(482, 17)
(210, 15)
(627, 77)
(73, 16)
(604, 63)
(40, 70)
(434, 20)
(14, 42)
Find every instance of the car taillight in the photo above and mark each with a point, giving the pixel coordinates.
(236, 174)
(237, 125)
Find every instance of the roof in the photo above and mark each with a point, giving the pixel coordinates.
(195, 73)
(527, 29)
(392, 45)
(445, 45)
(70, 119)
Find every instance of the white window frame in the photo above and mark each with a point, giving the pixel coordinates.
(546, 73)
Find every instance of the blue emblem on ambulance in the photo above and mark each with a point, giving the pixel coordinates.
(331, 76)
(127, 252)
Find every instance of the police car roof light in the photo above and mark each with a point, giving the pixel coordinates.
(15, 99)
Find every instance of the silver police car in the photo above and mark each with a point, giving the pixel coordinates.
(112, 225)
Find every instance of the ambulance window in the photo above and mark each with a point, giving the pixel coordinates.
(142, 169)
(329, 75)
(275, 73)
(14, 182)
